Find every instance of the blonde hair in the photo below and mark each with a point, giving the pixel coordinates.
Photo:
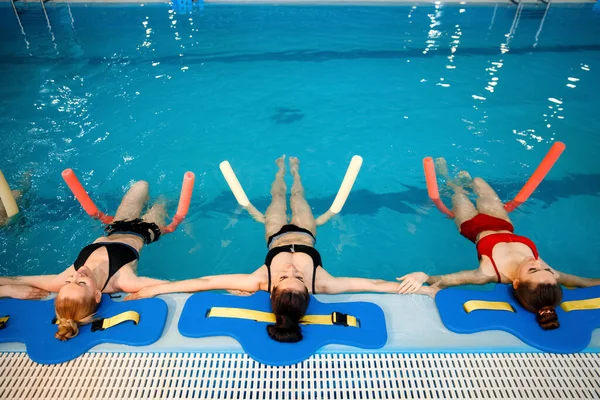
(70, 313)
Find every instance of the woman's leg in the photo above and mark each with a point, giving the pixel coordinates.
(488, 201)
(462, 178)
(462, 207)
(302, 215)
(157, 213)
(276, 217)
(133, 202)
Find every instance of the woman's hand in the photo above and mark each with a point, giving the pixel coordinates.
(22, 292)
(412, 282)
(144, 293)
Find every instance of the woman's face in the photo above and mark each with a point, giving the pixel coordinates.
(290, 278)
(532, 270)
(80, 285)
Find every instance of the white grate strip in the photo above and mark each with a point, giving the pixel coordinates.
(324, 376)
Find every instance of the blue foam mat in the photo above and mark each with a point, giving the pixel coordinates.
(31, 323)
(573, 335)
(253, 335)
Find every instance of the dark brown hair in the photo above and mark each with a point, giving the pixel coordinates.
(289, 306)
(541, 299)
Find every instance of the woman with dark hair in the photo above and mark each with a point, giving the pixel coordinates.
(292, 267)
(503, 256)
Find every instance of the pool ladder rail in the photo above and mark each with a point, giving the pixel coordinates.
(29, 6)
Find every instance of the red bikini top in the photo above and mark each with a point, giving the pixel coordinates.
(485, 246)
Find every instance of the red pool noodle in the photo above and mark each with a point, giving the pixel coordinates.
(536, 178)
(184, 202)
(432, 186)
(83, 198)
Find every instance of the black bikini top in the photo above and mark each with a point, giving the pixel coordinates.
(119, 254)
(295, 248)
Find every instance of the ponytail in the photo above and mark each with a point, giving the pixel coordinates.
(285, 330)
(547, 318)
(289, 307)
(541, 299)
(71, 313)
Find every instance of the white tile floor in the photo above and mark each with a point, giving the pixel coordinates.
(324, 376)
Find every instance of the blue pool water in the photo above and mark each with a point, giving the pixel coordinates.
(120, 93)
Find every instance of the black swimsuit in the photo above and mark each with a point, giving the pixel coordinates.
(148, 231)
(120, 254)
(294, 248)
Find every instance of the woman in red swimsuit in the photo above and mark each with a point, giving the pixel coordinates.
(503, 256)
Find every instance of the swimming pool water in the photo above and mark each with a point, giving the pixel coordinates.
(127, 92)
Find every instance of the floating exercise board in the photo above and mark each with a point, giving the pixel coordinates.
(31, 322)
(573, 335)
(198, 320)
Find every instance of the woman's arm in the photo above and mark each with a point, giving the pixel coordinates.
(348, 285)
(137, 283)
(50, 283)
(243, 282)
(467, 277)
(413, 282)
(576, 281)
(22, 292)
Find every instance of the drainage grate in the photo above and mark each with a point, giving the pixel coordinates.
(324, 376)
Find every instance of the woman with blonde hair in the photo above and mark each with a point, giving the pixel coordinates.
(108, 265)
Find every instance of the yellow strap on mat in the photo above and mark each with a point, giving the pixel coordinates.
(3, 321)
(473, 305)
(334, 318)
(105, 323)
(575, 305)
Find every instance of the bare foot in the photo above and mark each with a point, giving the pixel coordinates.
(280, 162)
(464, 179)
(26, 180)
(294, 165)
(441, 167)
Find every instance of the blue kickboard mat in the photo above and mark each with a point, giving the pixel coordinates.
(30, 322)
(255, 340)
(573, 335)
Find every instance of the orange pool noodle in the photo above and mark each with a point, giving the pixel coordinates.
(83, 198)
(432, 186)
(184, 202)
(536, 178)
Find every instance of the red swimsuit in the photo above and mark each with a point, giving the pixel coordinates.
(485, 246)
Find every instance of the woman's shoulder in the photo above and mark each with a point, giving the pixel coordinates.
(261, 278)
(487, 269)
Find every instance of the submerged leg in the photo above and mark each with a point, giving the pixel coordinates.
(488, 202)
(133, 202)
(276, 216)
(157, 213)
(302, 215)
(462, 207)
